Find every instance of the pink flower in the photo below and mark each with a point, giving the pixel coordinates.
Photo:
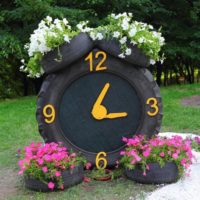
(47, 158)
(162, 154)
(88, 165)
(40, 161)
(57, 173)
(72, 166)
(51, 185)
(45, 169)
(73, 155)
(147, 167)
(134, 154)
(133, 162)
(62, 187)
(124, 139)
(175, 155)
(20, 172)
(144, 174)
(183, 161)
(122, 153)
(146, 153)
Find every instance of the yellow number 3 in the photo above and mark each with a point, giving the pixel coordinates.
(154, 105)
(49, 113)
(101, 160)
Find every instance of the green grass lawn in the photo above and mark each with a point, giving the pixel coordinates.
(18, 127)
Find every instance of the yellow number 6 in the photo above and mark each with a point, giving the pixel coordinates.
(98, 160)
(49, 113)
(154, 106)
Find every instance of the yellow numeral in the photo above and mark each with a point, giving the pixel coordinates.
(49, 113)
(154, 105)
(99, 66)
(100, 160)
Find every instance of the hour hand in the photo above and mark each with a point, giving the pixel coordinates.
(116, 115)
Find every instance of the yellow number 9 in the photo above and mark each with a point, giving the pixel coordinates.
(154, 105)
(100, 160)
(49, 113)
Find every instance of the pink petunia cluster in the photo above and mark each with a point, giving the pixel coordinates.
(140, 150)
(46, 162)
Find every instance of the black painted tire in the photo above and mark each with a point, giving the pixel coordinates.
(144, 83)
(82, 44)
(78, 46)
(70, 178)
(156, 174)
(113, 48)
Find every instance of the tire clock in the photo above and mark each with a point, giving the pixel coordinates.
(91, 99)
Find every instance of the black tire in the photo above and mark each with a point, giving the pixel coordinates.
(78, 46)
(156, 174)
(140, 78)
(70, 178)
(83, 44)
(113, 48)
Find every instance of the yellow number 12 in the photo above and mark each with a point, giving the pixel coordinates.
(99, 66)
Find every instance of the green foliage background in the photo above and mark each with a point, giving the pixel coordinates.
(179, 20)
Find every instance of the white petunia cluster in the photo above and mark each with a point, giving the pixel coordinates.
(51, 33)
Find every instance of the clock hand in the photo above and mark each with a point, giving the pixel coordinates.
(102, 94)
(99, 111)
(116, 115)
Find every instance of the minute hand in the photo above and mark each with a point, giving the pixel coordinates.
(102, 95)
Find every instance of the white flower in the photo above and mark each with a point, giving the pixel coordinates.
(128, 52)
(121, 55)
(132, 32)
(125, 24)
(56, 21)
(161, 40)
(123, 40)
(133, 42)
(37, 75)
(22, 60)
(99, 36)
(49, 19)
(151, 27)
(58, 26)
(141, 40)
(65, 22)
(116, 34)
(152, 62)
(86, 30)
(79, 26)
(66, 38)
(21, 68)
(92, 35)
(130, 14)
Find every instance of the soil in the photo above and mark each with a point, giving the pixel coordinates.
(8, 182)
(191, 101)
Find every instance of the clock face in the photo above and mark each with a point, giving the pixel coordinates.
(93, 127)
(95, 102)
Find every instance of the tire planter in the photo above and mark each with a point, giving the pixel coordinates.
(78, 46)
(70, 178)
(155, 175)
(137, 57)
